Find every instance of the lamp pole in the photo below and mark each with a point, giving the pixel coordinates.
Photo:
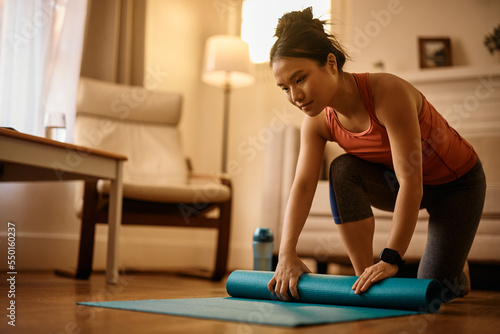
(225, 130)
(227, 65)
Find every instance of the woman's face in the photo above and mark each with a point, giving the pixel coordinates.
(307, 85)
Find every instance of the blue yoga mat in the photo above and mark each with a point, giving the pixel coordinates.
(324, 299)
(392, 293)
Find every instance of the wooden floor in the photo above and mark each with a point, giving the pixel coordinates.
(46, 303)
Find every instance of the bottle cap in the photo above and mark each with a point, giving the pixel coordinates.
(263, 235)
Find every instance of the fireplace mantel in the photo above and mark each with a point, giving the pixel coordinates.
(433, 75)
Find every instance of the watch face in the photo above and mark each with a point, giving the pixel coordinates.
(389, 256)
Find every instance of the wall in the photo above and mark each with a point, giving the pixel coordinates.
(176, 32)
(388, 31)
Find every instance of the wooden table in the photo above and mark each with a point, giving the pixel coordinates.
(30, 158)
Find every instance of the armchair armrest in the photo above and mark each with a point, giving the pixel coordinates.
(201, 178)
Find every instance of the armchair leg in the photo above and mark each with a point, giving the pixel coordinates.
(222, 242)
(87, 234)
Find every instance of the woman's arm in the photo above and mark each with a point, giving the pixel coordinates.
(397, 106)
(290, 267)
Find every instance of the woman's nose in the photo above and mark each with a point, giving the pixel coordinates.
(297, 95)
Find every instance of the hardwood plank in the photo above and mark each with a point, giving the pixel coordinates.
(46, 303)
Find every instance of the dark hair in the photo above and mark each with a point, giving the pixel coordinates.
(302, 36)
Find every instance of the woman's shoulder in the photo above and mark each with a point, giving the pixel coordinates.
(389, 90)
(318, 125)
(386, 80)
(384, 84)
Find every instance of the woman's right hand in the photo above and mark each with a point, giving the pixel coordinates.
(286, 277)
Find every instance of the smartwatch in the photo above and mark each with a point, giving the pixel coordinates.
(391, 256)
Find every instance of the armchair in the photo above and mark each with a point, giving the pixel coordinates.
(158, 186)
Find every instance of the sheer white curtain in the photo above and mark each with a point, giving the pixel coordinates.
(40, 54)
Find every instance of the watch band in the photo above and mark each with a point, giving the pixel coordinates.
(391, 256)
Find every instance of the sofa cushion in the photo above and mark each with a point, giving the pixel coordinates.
(487, 150)
(492, 201)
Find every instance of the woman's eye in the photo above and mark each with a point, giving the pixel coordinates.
(300, 80)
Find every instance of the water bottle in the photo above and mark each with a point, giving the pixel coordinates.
(263, 249)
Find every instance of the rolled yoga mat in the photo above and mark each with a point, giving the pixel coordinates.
(323, 299)
(391, 293)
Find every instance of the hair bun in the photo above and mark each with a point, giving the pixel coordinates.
(302, 18)
(302, 36)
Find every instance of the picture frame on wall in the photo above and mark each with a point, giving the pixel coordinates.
(434, 52)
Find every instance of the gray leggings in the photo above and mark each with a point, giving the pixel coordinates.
(454, 208)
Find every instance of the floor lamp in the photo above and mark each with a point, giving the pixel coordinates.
(227, 65)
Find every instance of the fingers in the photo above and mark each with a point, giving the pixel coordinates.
(276, 287)
(282, 292)
(281, 289)
(356, 284)
(294, 281)
(373, 274)
(270, 285)
(286, 277)
(362, 284)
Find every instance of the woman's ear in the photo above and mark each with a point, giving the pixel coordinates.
(332, 62)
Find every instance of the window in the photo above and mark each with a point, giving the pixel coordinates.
(259, 19)
(40, 52)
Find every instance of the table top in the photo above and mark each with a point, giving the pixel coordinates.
(6, 132)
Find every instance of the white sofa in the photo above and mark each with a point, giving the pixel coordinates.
(320, 239)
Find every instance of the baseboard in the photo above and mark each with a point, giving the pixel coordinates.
(49, 251)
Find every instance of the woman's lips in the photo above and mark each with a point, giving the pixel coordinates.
(305, 106)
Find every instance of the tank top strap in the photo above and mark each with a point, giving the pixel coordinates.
(365, 93)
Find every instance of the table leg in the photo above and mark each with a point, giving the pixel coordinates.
(114, 222)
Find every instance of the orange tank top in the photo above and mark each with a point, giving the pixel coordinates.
(446, 156)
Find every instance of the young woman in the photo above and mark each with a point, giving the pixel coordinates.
(402, 156)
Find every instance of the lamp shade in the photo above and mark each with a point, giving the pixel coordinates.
(227, 62)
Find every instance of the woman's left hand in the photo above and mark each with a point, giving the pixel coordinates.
(372, 274)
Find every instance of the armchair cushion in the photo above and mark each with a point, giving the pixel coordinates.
(132, 103)
(154, 151)
(208, 191)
